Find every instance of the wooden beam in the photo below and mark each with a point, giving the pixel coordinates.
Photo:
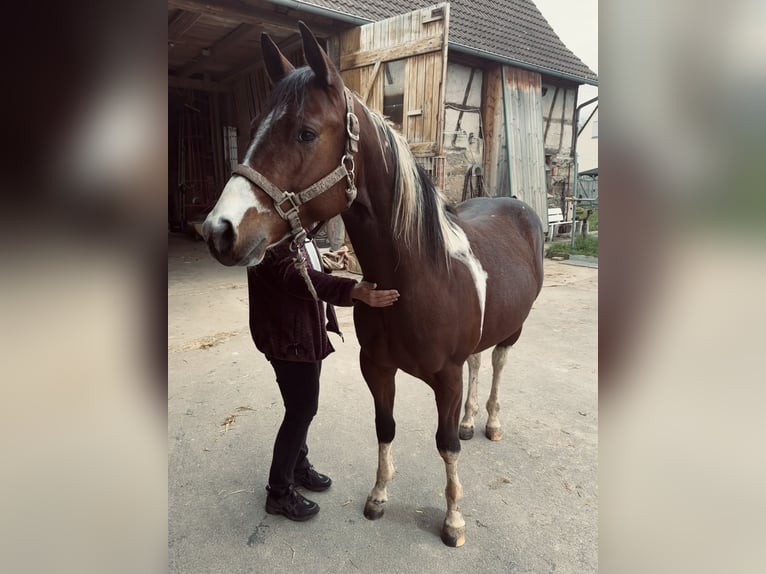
(369, 57)
(180, 24)
(550, 114)
(285, 46)
(371, 82)
(248, 14)
(423, 148)
(190, 84)
(233, 38)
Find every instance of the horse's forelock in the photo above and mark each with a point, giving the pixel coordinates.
(291, 90)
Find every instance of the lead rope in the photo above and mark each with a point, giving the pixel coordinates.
(302, 266)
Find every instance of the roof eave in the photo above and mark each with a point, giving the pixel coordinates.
(359, 21)
(519, 64)
(322, 11)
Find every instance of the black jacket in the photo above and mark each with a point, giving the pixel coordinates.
(286, 323)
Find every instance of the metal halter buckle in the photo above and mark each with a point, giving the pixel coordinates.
(352, 126)
(288, 196)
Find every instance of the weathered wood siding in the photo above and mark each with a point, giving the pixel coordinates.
(514, 133)
(419, 38)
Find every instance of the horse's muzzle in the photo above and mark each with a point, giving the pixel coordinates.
(220, 235)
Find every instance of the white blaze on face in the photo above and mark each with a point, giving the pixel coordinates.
(273, 116)
(236, 199)
(238, 196)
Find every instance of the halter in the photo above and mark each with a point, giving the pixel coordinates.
(295, 200)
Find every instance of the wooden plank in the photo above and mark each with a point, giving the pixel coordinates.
(419, 38)
(550, 114)
(492, 123)
(350, 42)
(370, 82)
(369, 57)
(201, 85)
(441, 110)
(180, 24)
(219, 49)
(216, 141)
(285, 46)
(563, 120)
(524, 137)
(248, 14)
(423, 148)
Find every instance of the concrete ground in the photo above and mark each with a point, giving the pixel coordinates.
(531, 500)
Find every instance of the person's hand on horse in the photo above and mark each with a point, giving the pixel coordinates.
(366, 292)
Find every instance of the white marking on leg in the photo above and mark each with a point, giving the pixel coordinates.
(460, 249)
(386, 471)
(471, 402)
(454, 522)
(499, 356)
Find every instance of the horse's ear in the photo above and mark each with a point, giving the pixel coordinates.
(277, 66)
(317, 58)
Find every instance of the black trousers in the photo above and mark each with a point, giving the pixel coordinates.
(299, 385)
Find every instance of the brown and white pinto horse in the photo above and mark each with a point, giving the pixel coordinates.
(467, 277)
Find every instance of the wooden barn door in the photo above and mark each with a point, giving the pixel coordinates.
(399, 67)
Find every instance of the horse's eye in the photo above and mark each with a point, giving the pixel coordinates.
(306, 135)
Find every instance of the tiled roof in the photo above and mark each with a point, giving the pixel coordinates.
(511, 30)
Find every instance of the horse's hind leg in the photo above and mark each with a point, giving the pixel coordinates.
(493, 431)
(380, 381)
(448, 389)
(471, 402)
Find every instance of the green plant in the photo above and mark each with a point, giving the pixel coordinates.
(592, 220)
(583, 246)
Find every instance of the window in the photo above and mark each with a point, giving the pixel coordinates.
(230, 147)
(393, 92)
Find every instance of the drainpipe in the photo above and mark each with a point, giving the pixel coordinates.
(575, 133)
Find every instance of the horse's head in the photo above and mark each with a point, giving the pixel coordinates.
(300, 144)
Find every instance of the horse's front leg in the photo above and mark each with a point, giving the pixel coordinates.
(471, 402)
(448, 388)
(380, 381)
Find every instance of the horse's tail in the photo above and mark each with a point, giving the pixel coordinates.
(538, 245)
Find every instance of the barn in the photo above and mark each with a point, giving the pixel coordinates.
(484, 90)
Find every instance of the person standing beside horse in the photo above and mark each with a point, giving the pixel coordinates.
(289, 326)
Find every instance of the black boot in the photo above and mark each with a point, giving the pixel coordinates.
(291, 504)
(311, 479)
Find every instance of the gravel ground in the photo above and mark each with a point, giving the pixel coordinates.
(531, 500)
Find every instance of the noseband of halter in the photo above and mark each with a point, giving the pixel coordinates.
(294, 200)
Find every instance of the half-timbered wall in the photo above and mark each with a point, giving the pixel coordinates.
(559, 102)
(463, 138)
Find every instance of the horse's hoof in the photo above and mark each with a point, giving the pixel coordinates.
(453, 537)
(494, 433)
(466, 433)
(373, 510)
